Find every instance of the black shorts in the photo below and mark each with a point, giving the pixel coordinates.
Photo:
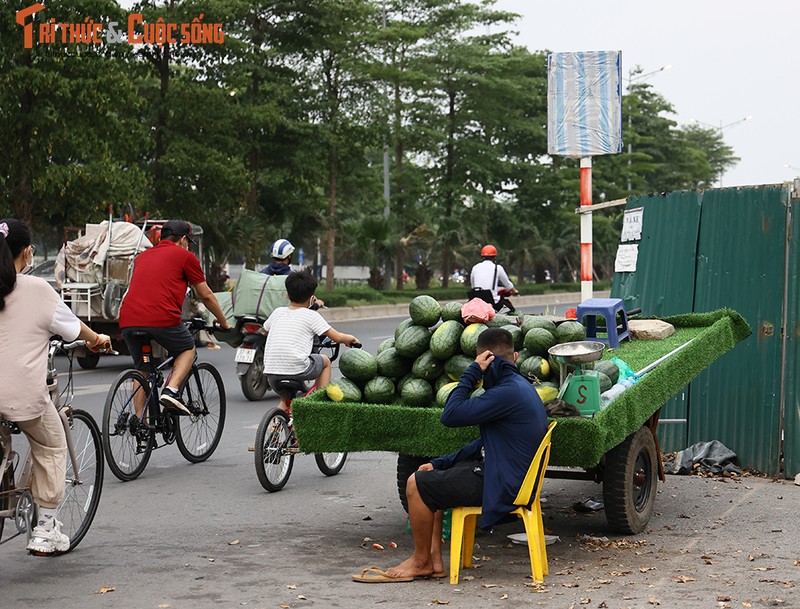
(175, 339)
(461, 485)
(315, 365)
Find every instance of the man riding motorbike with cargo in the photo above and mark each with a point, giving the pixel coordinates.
(281, 252)
(490, 282)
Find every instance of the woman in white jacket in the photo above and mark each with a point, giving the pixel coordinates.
(30, 313)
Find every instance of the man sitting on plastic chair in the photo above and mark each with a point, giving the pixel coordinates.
(486, 472)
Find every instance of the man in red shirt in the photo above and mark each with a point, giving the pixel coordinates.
(153, 302)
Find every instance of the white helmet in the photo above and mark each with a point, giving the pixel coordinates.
(281, 249)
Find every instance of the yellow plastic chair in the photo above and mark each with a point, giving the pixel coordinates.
(464, 519)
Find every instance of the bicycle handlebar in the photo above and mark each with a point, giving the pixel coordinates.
(68, 346)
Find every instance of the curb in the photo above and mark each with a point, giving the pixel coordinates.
(401, 310)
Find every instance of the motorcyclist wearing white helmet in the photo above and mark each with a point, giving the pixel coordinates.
(281, 252)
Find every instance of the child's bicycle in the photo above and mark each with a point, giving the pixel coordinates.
(130, 438)
(84, 474)
(276, 444)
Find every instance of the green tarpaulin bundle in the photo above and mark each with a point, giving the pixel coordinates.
(258, 294)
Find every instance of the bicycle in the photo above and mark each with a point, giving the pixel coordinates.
(84, 479)
(276, 443)
(129, 439)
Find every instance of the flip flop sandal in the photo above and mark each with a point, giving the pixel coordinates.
(374, 575)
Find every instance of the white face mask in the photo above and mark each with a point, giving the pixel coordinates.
(28, 263)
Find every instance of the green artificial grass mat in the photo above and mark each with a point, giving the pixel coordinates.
(325, 426)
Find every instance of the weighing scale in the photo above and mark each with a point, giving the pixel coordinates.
(580, 388)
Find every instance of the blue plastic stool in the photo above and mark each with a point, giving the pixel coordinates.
(608, 308)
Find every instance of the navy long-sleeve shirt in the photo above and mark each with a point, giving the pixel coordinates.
(512, 422)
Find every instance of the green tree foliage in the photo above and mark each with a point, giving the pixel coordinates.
(281, 131)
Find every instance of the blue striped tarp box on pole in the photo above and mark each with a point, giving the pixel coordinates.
(584, 103)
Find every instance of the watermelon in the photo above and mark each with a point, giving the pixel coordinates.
(403, 381)
(425, 311)
(546, 393)
(469, 338)
(569, 331)
(477, 392)
(608, 368)
(379, 390)
(389, 342)
(538, 341)
(402, 327)
(413, 342)
(358, 365)
(452, 312)
(456, 365)
(392, 364)
(445, 340)
(516, 335)
(441, 381)
(498, 321)
(522, 355)
(343, 390)
(537, 321)
(605, 381)
(556, 367)
(444, 392)
(427, 367)
(417, 393)
(535, 368)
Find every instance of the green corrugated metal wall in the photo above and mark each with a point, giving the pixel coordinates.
(791, 418)
(703, 250)
(740, 265)
(664, 282)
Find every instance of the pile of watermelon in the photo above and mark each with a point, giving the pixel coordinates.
(430, 350)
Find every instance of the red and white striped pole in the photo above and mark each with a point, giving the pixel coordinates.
(586, 228)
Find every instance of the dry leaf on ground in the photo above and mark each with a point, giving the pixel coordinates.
(105, 589)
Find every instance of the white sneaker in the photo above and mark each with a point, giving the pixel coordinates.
(48, 538)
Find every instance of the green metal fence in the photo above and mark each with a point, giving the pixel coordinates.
(703, 250)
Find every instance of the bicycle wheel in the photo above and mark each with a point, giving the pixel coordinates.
(126, 455)
(273, 461)
(198, 435)
(330, 464)
(6, 484)
(79, 505)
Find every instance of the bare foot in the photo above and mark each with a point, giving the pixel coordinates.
(411, 567)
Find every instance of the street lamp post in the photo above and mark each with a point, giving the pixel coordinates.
(633, 76)
(720, 129)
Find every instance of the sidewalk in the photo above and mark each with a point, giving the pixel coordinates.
(401, 310)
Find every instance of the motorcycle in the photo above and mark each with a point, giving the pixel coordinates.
(250, 359)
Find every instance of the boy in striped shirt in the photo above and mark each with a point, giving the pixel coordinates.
(291, 332)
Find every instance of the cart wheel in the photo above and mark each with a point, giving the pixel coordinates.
(88, 361)
(112, 300)
(630, 476)
(406, 465)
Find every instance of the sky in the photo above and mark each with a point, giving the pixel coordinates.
(729, 60)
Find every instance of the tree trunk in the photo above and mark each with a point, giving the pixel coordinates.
(21, 184)
(162, 65)
(399, 192)
(330, 250)
(398, 267)
(254, 157)
(375, 279)
(449, 189)
(423, 275)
